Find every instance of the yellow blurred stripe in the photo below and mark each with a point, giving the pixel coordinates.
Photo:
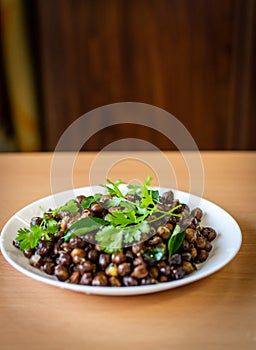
(20, 80)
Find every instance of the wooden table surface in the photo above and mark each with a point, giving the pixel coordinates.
(218, 312)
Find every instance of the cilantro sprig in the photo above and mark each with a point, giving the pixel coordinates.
(29, 238)
(113, 189)
(128, 221)
(71, 207)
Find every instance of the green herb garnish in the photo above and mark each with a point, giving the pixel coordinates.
(128, 220)
(123, 225)
(83, 226)
(29, 238)
(113, 189)
(175, 240)
(51, 225)
(110, 239)
(154, 254)
(88, 201)
(133, 233)
(71, 207)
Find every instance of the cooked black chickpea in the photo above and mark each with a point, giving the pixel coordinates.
(100, 280)
(66, 247)
(61, 272)
(76, 242)
(168, 197)
(202, 256)
(80, 198)
(74, 278)
(36, 220)
(175, 259)
(48, 267)
(140, 272)
(124, 269)
(36, 260)
(209, 233)
(178, 273)
(153, 272)
(64, 259)
(138, 248)
(86, 279)
(118, 258)
(197, 213)
(86, 266)
(187, 267)
(104, 260)
(115, 282)
(208, 246)
(190, 234)
(28, 253)
(164, 232)
(78, 255)
(130, 281)
(96, 208)
(93, 255)
(155, 240)
(138, 261)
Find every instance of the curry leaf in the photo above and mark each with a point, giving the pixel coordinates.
(83, 226)
(175, 240)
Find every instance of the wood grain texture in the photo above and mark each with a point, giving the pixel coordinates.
(191, 58)
(218, 312)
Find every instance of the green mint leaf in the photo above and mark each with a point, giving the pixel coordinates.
(154, 254)
(83, 226)
(175, 240)
(133, 232)
(110, 239)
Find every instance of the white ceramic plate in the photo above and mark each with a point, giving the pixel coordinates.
(226, 245)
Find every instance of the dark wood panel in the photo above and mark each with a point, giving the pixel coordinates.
(181, 55)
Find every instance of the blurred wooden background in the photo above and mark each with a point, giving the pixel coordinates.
(193, 58)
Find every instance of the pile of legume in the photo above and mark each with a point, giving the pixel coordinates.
(171, 247)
